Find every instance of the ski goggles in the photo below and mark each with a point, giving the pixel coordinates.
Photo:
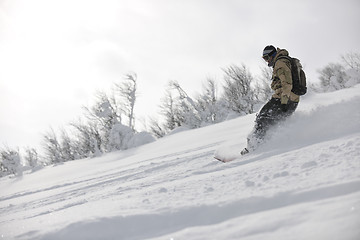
(268, 53)
(266, 57)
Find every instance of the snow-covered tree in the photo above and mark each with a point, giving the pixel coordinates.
(262, 87)
(105, 131)
(170, 112)
(58, 149)
(179, 109)
(52, 148)
(10, 162)
(31, 157)
(352, 60)
(157, 128)
(123, 137)
(102, 116)
(211, 110)
(127, 92)
(333, 77)
(119, 137)
(69, 150)
(238, 92)
(105, 112)
(88, 140)
(186, 109)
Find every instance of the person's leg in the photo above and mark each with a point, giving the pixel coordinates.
(291, 108)
(272, 114)
(267, 117)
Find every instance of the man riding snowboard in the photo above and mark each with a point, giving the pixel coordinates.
(283, 102)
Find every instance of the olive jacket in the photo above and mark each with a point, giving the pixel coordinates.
(281, 78)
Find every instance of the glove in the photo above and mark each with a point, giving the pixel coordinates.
(284, 107)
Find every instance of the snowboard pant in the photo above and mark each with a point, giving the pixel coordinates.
(269, 115)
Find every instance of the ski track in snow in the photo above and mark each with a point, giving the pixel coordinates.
(163, 192)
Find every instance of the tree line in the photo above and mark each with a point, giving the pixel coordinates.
(109, 124)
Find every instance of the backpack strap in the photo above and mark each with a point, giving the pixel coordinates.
(287, 58)
(283, 57)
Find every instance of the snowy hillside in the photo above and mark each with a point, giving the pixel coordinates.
(303, 184)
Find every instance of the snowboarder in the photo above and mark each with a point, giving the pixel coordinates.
(283, 102)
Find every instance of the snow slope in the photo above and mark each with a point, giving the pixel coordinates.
(303, 184)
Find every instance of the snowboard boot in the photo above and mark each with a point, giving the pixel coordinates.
(244, 151)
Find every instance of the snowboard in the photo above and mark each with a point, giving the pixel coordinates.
(226, 159)
(228, 154)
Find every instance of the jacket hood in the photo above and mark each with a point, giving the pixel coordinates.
(280, 53)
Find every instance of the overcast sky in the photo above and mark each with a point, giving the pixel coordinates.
(55, 54)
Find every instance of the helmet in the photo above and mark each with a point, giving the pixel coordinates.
(269, 51)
